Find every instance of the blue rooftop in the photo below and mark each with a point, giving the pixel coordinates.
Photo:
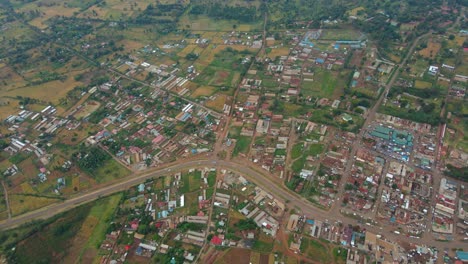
(462, 255)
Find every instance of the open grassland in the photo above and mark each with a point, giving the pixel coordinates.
(323, 252)
(10, 79)
(109, 171)
(205, 23)
(203, 91)
(340, 34)
(93, 230)
(431, 50)
(47, 9)
(7, 107)
(217, 104)
(73, 137)
(422, 84)
(24, 203)
(324, 84)
(47, 92)
(66, 237)
(15, 30)
(242, 145)
(277, 52)
(116, 9)
(419, 67)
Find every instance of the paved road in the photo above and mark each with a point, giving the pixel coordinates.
(260, 178)
(370, 118)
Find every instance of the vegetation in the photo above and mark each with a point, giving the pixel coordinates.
(457, 173)
(90, 159)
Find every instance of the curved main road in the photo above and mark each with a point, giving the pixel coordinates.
(260, 178)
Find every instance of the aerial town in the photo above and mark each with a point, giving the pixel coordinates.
(244, 132)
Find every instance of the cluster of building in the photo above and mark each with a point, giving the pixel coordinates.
(406, 198)
(362, 185)
(157, 140)
(443, 223)
(358, 242)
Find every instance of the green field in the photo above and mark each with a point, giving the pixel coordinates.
(315, 250)
(225, 70)
(324, 83)
(50, 243)
(190, 181)
(109, 171)
(315, 149)
(340, 34)
(298, 164)
(242, 145)
(296, 151)
(95, 225)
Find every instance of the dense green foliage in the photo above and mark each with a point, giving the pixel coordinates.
(90, 159)
(457, 173)
(423, 93)
(220, 11)
(246, 224)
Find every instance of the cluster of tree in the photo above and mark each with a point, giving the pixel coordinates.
(186, 226)
(246, 224)
(69, 28)
(30, 15)
(45, 76)
(457, 173)
(380, 30)
(163, 16)
(427, 93)
(220, 11)
(27, 100)
(191, 56)
(425, 115)
(304, 10)
(90, 159)
(98, 115)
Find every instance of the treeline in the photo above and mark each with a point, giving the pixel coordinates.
(221, 11)
(426, 93)
(164, 16)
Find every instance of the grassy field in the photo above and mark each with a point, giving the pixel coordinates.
(48, 92)
(109, 171)
(87, 109)
(93, 229)
(190, 182)
(315, 250)
(431, 50)
(115, 9)
(340, 34)
(298, 164)
(296, 151)
(50, 245)
(203, 91)
(315, 149)
(64, 238)
(422, 84)
(24, 203)
(324, 84)
(218, 103)
(276, 52)
(242, 145)
(207, 24)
